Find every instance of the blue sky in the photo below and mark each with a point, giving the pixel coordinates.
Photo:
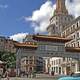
(11, 15)
(18, 17)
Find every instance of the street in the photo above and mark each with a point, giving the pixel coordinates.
(38, 77)
(30, 79)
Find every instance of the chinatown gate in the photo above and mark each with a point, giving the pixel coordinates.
(47, 46)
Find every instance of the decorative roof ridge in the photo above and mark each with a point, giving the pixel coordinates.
(25, 45)
(51, 38)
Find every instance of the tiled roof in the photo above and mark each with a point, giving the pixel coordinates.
(26, 45)
(50, 38)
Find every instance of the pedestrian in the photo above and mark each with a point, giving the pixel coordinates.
(27, 74)
(72, 73)
(7, 75)
(52, 73)
(1, 73)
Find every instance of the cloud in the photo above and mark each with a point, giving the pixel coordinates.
(73, 7)
(19, 36)
(3, 6)
(40, 18)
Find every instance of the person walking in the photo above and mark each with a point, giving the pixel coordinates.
(1, 73)
(7, 75)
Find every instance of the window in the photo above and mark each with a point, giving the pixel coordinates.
(63, 58)
(74, 45)
(78, 34)
(68, 19)
(73, 27)
(56, 69)
(56, 61)
(68, 31)
(42, 47)
(77, 25)
(78, 44)
(56, 23)
(69, 59)
(52, 68)
(65, 18)
(59, 61)
(73, 36)
(63, 34)
(31, 57)
(52, 62)
(59, 70)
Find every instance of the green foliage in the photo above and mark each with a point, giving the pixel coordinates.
(9, 58)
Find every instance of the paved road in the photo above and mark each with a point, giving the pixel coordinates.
(39, 77)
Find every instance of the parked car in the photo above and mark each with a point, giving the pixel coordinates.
(75, 76)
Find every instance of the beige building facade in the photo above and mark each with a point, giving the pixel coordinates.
(65, 25)
(7, 45)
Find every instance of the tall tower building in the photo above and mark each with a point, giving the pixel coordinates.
(59, 19)
(60, 7)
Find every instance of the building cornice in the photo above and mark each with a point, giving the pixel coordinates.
(50, 38)
(72, 49)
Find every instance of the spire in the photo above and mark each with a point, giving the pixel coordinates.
(60, 7)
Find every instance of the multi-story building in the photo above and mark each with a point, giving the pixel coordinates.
(65, 25)
(62, 24)
(32, 63)
(55, 65)
(2, 43)
(69, 65)
(63, 65)
(7, 45)
(59, 19)
(73, 31)
(29, 63)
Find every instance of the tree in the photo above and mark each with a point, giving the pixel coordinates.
(9, 58)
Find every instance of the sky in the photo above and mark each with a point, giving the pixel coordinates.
(21, 17)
